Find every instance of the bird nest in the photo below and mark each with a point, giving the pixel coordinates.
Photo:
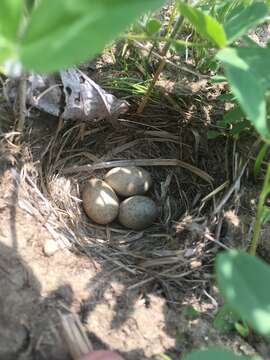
(178, 248)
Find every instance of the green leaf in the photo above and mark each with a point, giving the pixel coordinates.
(225, 319)
(239, 127)
(10, 21)
(152, 26)
(232, 116)
(248, 41)
(10, 18)
(216, 79)
(29, 5)
(65, 32)
(243, 280)
(226, 97)
(189, 312)
(165, 357)
(214, 354)
(6, 49)
(212, 134)
(244, 19)
(247, 72)
(242, 329)
(204, 24)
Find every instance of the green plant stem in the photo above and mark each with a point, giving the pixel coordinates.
(161, 64)
(170, 41)
(260, 209)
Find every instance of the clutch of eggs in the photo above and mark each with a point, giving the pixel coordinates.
(102, 204)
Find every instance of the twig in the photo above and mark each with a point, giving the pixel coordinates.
(216, 191)
(22, 102)
(75, 336)
(139, 162)
(234, 186)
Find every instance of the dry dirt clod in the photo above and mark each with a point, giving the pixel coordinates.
(100, 201)
(137, 212)
(50, 247)
(129, 180)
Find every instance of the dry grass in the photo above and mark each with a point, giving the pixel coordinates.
(75, 336)
(189, 182)
(173, 249)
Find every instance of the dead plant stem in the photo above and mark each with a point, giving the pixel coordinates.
(161, 65)
(21, 104)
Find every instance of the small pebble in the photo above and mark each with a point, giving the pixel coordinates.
(100, 201)
(50, 247)
(137, 212)
(128, 181)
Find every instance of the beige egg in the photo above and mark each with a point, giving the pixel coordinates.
(137, 212)
(100, 201)
(128, 181)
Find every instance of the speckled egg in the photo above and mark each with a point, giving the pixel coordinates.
(100, 201)
(128, 181)
(137, 212)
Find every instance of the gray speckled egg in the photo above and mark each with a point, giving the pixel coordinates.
(129, 180)
(137, 212)
(100, 201)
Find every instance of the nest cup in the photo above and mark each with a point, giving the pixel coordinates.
(176, 185)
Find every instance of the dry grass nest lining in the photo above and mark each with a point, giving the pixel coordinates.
(174, 248)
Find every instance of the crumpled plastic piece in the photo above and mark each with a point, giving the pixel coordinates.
(70, 95)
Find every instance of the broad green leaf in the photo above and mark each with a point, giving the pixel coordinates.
(152, 26)
(214, 354)
(247, 73)
(255, 60)
(65, 32)
(29, 5)
(204, 24)
(248, 42)
(5, 48)
(244, 19)
(10, 21)
(243, 280)
(231, 116)
(10, 18)
(9, 64)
